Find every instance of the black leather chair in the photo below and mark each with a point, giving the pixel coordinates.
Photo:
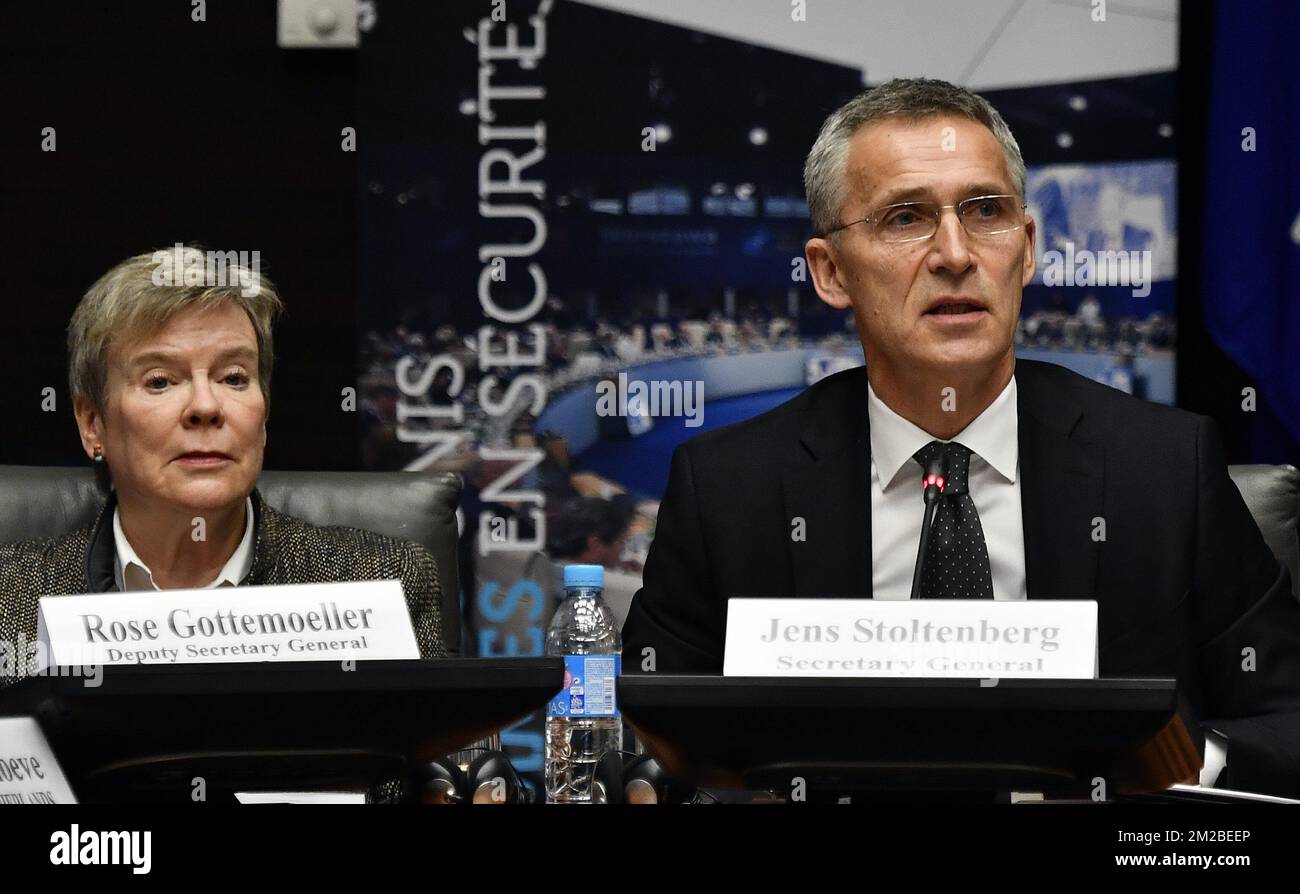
(1272, 493)
(40, 501)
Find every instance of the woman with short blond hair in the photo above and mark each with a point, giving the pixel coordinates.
(170, 373)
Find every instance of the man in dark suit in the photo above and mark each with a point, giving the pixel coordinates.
(1059, 487)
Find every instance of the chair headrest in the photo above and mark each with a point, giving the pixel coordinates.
(1272, 493)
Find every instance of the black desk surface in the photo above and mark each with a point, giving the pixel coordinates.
(276, 725)
(1015, 732)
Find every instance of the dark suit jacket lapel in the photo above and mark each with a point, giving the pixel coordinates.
(1061, 486)
(101, 552)
(827, 484)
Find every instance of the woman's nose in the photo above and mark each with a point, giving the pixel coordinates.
(204, 406)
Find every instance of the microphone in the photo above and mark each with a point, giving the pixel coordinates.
(933, 483)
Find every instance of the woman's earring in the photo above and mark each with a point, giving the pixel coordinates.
(99, 456)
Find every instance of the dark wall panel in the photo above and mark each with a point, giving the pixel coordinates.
(173, 130)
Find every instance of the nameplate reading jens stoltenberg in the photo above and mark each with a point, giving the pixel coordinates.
(975, 638)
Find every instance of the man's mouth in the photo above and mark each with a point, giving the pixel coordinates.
(956, 307)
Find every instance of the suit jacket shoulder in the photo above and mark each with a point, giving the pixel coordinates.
(1108, 413)
(30, 569)
(45, 563)
(830, 415)
(303, 550)
(298, 552)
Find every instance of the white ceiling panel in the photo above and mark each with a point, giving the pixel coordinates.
(981, 44)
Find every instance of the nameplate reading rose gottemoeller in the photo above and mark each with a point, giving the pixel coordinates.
(363, 621)
(1048, 639)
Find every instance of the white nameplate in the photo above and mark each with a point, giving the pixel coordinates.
(336, 797)
(361, 621)
(29, 771)
(1048, 638)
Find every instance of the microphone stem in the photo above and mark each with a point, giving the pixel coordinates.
(931, 501)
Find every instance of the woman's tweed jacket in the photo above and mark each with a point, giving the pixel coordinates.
(286, 550)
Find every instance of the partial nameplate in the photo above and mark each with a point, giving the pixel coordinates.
(970, 638)
(335, 797)
(29, 771)
(355, 620)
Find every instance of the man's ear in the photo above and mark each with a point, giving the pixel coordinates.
(1031, 254)
(90, 425)
(826, 273)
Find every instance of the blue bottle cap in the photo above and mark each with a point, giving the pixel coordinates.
(584, 576)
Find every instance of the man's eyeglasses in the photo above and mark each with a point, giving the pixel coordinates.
(914, 221)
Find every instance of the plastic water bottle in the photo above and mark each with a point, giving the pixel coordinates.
(582, 721)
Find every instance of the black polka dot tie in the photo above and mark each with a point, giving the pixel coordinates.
(957, 563)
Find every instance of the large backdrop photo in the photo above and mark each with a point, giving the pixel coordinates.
(561, 200)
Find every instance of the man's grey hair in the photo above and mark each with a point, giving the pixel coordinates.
(825, 173)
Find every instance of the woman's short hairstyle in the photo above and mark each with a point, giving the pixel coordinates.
(825, 175)
(142, 293)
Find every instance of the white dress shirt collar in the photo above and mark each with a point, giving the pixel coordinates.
(133, 574)
(992, 436)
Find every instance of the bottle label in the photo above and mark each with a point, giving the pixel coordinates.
(589, 682)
